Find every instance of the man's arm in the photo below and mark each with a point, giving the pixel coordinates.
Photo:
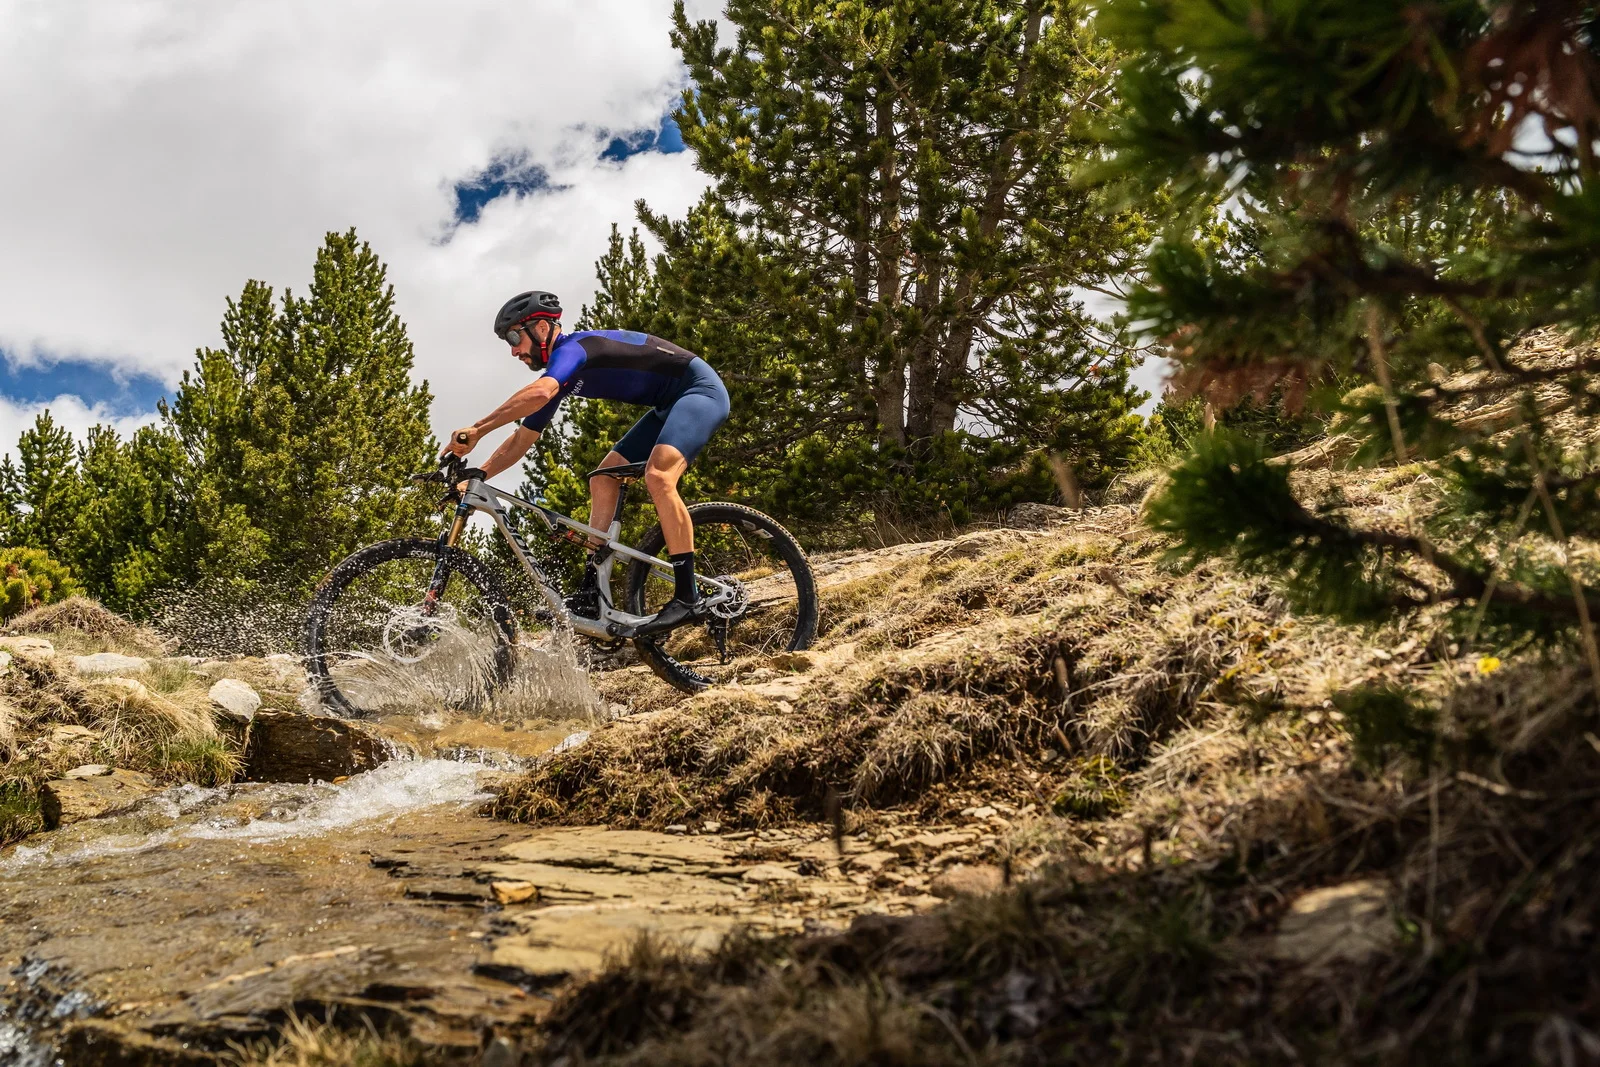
(519, 405)
(510, 451)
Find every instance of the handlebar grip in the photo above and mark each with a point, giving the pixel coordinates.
(461, 438)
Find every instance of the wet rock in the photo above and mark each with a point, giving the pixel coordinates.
(28, 646)
(1342, 922)
(964, 881)
(88, 770)
(108, 663)
(70, 800)
(288, 746)
(234, 699)
(571, 741)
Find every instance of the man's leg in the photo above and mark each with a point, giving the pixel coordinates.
(661, 477)
(603, 492)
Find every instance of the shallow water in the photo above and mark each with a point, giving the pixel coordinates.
(259, 812)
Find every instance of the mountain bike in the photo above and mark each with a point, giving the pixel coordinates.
(425, 613)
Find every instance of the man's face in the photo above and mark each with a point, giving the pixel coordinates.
(537, 332)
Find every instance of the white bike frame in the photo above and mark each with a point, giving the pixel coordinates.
(612, 623)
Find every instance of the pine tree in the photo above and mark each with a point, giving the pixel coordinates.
(129, 515)
(47, 487)
(300, 432)
(896, 201)
(1416, 183)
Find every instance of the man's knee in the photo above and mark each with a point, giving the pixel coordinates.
(660, 480)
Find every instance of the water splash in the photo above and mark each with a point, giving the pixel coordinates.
(258, 813)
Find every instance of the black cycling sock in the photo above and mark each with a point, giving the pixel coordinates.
(685, 588)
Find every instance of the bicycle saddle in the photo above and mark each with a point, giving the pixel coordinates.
(625, 470)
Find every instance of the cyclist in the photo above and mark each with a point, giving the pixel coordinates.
(687, 403)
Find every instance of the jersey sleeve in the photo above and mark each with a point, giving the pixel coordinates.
(541, 418)
(565, 362)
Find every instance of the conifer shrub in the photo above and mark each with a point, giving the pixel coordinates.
(29, 578)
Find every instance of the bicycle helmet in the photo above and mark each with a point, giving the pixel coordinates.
(525, 307)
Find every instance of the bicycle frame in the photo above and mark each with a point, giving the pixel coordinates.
(612, 623)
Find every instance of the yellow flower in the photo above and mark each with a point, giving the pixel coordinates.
(1488, 664)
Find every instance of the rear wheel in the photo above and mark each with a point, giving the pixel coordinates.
(376, 643)
(776, 613)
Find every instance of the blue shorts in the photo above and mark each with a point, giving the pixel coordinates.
(686, 423)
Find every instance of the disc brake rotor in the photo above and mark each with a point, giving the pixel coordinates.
(735, 605)
(409, 636)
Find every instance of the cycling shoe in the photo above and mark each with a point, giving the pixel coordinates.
(673, 615)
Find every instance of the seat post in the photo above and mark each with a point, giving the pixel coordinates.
(616, 518)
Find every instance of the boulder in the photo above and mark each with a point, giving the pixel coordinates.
(963, 881)
(234, 699)
(28, 646)
(108, 663)
(289, 746)
(69, 800)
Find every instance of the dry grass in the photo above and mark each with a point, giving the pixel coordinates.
(1145, 940)
(157, 721)
(1001, 648)
(81, 625)
(303, 1042)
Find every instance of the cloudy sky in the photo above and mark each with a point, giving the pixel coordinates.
(161, 152)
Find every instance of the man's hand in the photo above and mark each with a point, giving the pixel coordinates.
(462, 441)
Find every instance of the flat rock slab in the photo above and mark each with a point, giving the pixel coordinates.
(28, 646)
(69, 800)
(109, 663)
(288, 746)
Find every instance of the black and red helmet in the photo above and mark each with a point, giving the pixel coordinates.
(523, 308)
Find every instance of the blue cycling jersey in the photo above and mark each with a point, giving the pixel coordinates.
(635, 368)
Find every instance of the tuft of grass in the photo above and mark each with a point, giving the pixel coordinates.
(1095, 790)
(207, 761)
(303, 1042)
(20, 814)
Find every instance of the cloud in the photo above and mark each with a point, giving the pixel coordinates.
(67, 410)
(161, 153)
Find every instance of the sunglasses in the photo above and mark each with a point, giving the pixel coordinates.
(515, 334)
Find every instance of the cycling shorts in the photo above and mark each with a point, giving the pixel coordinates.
(685, 422)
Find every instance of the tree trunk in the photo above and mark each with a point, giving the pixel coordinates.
(890, 386)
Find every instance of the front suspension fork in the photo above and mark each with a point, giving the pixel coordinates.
(441, 569)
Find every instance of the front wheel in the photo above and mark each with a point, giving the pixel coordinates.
(380, 638)
(777, 611)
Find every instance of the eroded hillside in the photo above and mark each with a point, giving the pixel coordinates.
(1035, 794)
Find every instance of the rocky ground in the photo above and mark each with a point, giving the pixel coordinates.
(154, 914)
(1033, 795)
